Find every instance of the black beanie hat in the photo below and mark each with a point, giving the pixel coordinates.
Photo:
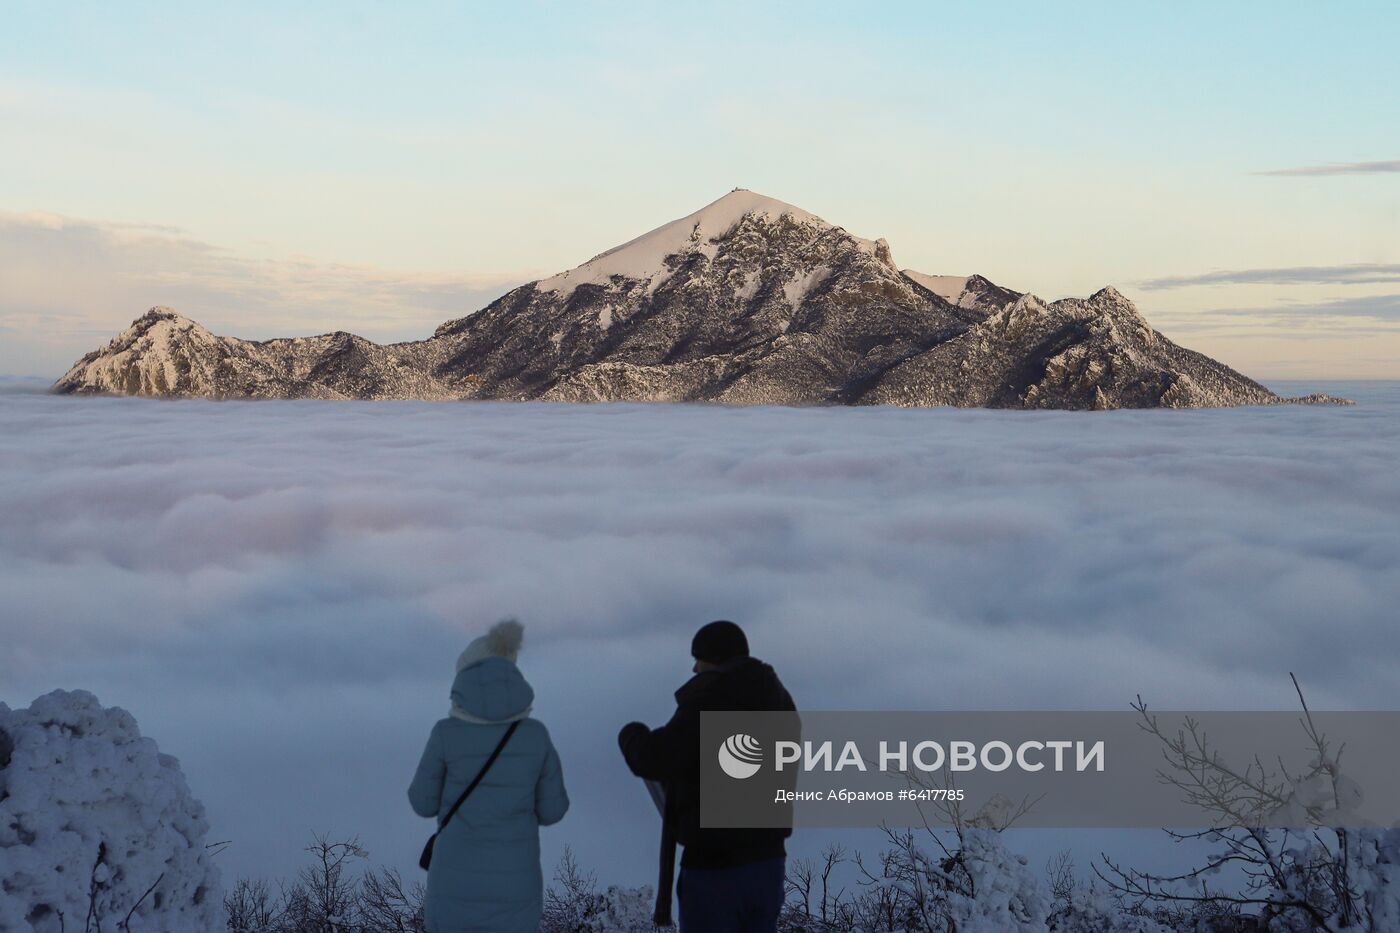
(719, 642)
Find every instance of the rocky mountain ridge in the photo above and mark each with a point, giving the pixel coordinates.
(747, 301)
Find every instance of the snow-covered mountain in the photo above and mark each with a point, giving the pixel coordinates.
(747, 301)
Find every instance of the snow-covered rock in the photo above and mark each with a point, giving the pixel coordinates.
(1095, 353)
(97, 825)
(165, 354)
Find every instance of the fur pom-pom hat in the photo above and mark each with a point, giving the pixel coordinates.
(502, 641)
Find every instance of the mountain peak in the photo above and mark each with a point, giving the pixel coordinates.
(153, 319)
(742, 201)
(644, 258)
(162, 313)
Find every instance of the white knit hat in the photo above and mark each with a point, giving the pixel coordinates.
(502, 641)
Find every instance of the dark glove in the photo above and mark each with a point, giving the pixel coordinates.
(629, 734)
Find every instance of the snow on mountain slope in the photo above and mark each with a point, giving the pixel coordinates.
(644, 258)
(947, 287)
(965, 291)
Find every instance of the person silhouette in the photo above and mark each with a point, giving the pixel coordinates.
(484, 875)
(731, 880)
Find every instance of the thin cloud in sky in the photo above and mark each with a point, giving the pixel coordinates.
(1367, 307)
(1355, 274)
(1381, 307)
(1338, 168)
(1352, 318)
(70, 283)
(164, 265)
(1371, 322)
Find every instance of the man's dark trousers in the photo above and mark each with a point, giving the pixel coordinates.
(742, 899)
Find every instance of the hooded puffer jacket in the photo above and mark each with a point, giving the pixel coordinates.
(485, 875)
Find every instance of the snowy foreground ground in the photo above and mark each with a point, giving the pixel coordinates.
(277, 590)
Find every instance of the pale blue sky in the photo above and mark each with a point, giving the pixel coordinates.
(384, 167)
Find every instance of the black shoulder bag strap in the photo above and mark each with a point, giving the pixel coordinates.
(426, 858)
(666, 882)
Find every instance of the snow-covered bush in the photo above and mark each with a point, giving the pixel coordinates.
(1338, 880)
(1376, 874)
(964, 880)
(1091, 910)
(332, 893)
(1309, 864)
(972, 884)
(573, 904)
(97, 827)
(1001, 892)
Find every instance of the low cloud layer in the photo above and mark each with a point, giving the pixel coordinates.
(277, 590)
(69, 285)
(1338, 168)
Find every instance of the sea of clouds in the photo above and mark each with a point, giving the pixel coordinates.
(278, 590)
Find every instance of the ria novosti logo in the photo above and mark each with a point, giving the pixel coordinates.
(740, 756)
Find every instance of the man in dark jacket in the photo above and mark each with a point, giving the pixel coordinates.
(731, 879)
